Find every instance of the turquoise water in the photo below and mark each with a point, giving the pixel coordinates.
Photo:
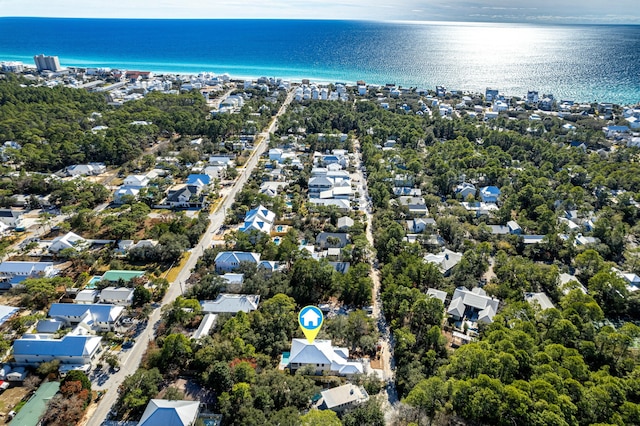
(92, 282)
(583, 63)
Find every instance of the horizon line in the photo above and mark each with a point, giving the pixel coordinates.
(390, 21)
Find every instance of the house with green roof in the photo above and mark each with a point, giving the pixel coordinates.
(30, 413)
(116, 275)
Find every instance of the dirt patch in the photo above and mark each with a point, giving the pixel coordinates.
(192, 391)
(10, 398)
(377, 364)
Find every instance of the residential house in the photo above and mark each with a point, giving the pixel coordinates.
(332, 239)
(121, 276)
(11, 269)
(473, 305)
(416, 205)
(95, 317)
(614, 131)
(185, 196)
(321, 355)
(10, 217)
(207, 323)
(36, 406)
(71, 349)
(275, 154)
(90, 169)
(342, 398)
(87, 297)
(122, 296)
(269, 265)
(418, 225)
(318, 184)
(199, 180)
(480, 208)
(341, 205)
(162, 412)
(228, 261)
(438, 294)
(67, 241)
(234, 281)
(259, 219)
(445, 260)
(272, 188)
(489, 194)
(465, 190)
(511, 227)
(491, 94)
(136, 181)
(122, 193)
(221, 160)
(231, 304)
(345, 223)
(539, 299)
(406, 191)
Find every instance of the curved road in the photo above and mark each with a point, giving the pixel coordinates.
(130, 363)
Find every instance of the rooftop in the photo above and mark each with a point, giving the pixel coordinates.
(30, 413)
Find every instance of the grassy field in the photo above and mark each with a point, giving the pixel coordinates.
(173, 272)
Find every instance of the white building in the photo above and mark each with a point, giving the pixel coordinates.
(121, 296)
(323, 357)
(343, 398)
(71, 349)
(231, 304)
(473, 305)
(47, 63)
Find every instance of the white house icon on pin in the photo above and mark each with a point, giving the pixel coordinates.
(311, 319)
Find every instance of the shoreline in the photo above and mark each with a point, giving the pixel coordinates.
(192, 70)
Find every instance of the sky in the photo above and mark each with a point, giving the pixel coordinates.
(533, 11)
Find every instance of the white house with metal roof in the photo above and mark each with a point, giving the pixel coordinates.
(10, 269)
(540, 299)
(323, 357)
(231, 303)
(342, 398)
(228, 261)
(122, 296)
(97, 317)
(68, 240)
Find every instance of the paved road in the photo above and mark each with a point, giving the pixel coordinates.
(386, 341)
(131, 360)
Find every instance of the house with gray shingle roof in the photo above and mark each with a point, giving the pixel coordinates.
(473, 305)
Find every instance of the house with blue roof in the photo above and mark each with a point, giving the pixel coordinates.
(161, 412)
(228, 261)
(71, 349)
(260, 219)
(489, 194)
(198, 179)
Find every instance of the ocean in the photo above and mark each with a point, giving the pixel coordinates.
(580, 63)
